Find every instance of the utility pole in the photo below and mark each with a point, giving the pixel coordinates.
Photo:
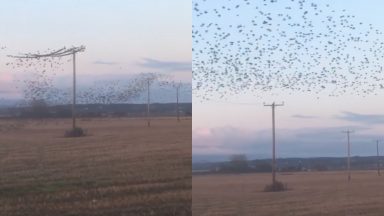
(348, 132)
(58, 54)
(378, 158)
(148, 101)
(273, 106)
(177, 101)
(74, 93)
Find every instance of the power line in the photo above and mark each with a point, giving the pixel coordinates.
(58, 53)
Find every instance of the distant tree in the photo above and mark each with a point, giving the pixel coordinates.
(188, 111)
(238, 163)
(320, 167)
(263, 167)
(290, 169)
(39, 108)
(63, 112)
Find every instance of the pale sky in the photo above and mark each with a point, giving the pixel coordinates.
(122, 37)
(306, 126)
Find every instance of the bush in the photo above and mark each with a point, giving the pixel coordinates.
(76, 132)
(275, 187)
(263, 167)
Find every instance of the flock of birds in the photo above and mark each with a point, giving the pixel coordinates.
(39, 83)
(274, 46)
(266, 46)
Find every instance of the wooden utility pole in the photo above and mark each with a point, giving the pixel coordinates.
(177, 101)
(74, 93)
(349, 154)
(273, 106)
(58, 54)
(378, 158)
(148, 101)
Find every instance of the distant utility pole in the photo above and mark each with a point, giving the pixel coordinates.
(349, 154)
(273, 106)
(74, 92)
(148, 101)
(177, 101)
(378, 158)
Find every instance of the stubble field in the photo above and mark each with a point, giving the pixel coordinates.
(310, 193)
(121, 168)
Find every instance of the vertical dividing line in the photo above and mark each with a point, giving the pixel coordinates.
(74, 93)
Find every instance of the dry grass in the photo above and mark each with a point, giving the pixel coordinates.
(120, 168)
(316, 193)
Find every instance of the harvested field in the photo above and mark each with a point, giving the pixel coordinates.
(121, 167)
(310, 193)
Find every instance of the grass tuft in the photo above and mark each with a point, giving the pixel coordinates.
(276, 187)
(76, 132)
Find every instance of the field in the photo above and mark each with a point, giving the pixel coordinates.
(310, 193)
(121, 167)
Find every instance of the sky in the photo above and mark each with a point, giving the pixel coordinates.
(308, 125)
(122, 37)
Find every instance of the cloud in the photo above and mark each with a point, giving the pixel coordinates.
(304, 142)
(361, 118)
(105, 62)
(171, 66)
(303, 116)
(223, 141)
(325, 132)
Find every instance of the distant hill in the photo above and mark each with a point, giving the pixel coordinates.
(5, 103)
(97, 110)
(297, 164)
